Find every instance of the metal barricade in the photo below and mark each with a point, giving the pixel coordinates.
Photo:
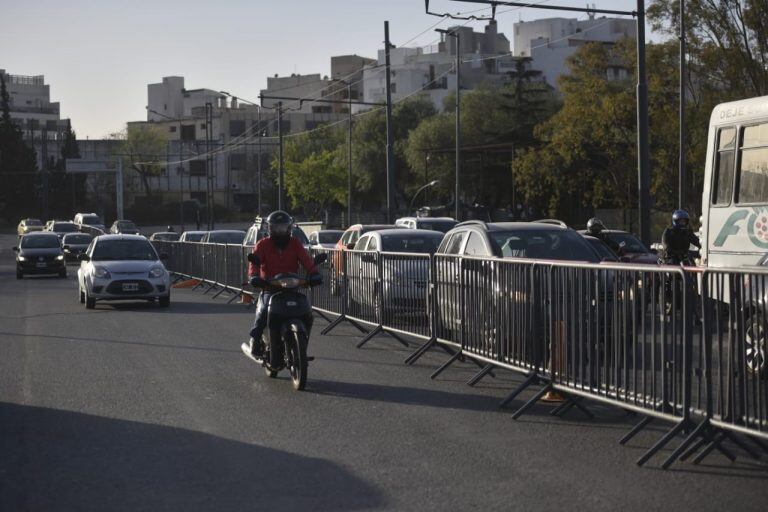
(362, 286)
(323, 300)
(403, 294)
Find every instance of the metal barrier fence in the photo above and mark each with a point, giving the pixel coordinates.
(682, 347)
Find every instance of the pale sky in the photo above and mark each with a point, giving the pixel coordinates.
(99, 55)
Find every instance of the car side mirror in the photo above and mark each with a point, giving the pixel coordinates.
(350, 246)
(83, 257)
(16, 249)
(321, 258)
(253, 258)
(163, 256)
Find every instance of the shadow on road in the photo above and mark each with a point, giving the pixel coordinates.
(60, 460)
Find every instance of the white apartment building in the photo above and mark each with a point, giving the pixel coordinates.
(36, 115)
(551, 41)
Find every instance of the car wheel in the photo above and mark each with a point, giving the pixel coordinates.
(755, 346)
(165, 301)
(90, 302)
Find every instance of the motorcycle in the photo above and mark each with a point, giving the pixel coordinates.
(289, 323)
(671, 293)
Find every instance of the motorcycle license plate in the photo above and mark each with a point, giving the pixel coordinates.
(41, 264)
(130, 287)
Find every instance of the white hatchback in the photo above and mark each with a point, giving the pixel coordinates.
(122, 267)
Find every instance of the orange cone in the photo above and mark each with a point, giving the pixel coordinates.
(189, 283)
(246, 298)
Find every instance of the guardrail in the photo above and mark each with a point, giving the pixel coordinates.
(687, 348)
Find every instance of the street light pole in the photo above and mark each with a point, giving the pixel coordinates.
(681, 191)
(390, 152)
(454, 34)
(413, 199)
(280, 155)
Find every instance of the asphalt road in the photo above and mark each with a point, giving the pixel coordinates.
(134, 407)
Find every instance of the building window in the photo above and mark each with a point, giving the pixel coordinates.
(187, 132)
(752, 171)
(321, 109)
(237, 161)
(236, 128)
(311, 125)
(723, 179)
(197, 168)
(202, 126)
(286, 125)
(394, 88)
(172, 129)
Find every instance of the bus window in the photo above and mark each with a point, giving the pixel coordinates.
(753, 165)
(722, 186)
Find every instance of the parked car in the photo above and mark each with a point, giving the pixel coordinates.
(325, 238)
(192, 236)
(61, 227)
(224, 236)
(89, 220)
(28, 226)
(631, 249)
(165, 236)
(75, 244)
(122, 267)
(442, 224)
(602, 248)
(347, 241)
(39, 253)
(402, 285)
(124, 227)
(259, 230)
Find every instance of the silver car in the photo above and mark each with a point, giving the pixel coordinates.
(122, 267)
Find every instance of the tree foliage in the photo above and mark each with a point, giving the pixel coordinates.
(142, 148)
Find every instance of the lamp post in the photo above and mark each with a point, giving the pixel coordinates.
(454, 34)
(428, 185)
(181, 166)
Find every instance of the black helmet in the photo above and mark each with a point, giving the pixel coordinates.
(681, 219)
(279, 224)
(170, 229)
(595, 226)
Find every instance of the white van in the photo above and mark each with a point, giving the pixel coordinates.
(735, 198)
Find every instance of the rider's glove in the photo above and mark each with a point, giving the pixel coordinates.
(315, 279)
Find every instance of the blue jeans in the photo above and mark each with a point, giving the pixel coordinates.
(260, 319)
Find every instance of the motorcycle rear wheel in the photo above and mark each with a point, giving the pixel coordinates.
(298, 361)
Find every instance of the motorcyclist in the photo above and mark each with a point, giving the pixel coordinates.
(170, 229)
(595, 228)
(678, 239)
(278, 253)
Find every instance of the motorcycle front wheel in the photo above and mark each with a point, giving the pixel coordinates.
(298, 360)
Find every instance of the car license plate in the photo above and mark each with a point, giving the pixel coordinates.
(130, 287)
(41, 264)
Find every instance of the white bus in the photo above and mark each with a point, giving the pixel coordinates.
(735, 198)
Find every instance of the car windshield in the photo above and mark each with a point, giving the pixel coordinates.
(299, 233)
(544, 244)
(443, 226)
(120, 250)
(226, 238)
(91, 219)
(40, 242)
(79, 239)
(426, 244)
(631, 243)
(328, 237)
(33, 222)
(193, 237)
(126, 224)
(64, 227)
(603, 250)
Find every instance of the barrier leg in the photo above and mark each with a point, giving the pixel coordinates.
(704, 439)
(225, 289)
(420, 351)
(210, 287)
(530, 403)
(700, 430)
(533, 378)
(741, 444)
(368, 337)
(233, 298)
(445, 365)
(636, 429)
(571, 402)
(332, 325)
(661, 443)
(322, 315)
(561, 409)
(479, 375)
(715, 444)
(759, 443)
(198, 285)
(398, 338)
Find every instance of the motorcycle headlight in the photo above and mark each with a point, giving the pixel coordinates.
(289, 282)
(157, 272)
(22, 258)
(60, 257)
(101, 273)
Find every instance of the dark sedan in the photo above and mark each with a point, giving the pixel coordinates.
(62, 227)
(40, 253)
(631, 249)
(124, 227)
(75, 244)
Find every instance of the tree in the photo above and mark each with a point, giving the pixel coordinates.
(63, 186)
(18, 165)
(142, 146)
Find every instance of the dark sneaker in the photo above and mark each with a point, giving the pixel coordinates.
(255, 348)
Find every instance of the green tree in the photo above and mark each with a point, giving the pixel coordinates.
(142, 148)
(18, 165)
(66, 188)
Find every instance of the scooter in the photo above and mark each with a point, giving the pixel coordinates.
(289, 323)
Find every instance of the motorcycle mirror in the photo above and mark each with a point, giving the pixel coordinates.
(321, 258)
(254, 259)
(15, 249)
(351, 246)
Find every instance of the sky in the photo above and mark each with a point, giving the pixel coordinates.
(99, 55)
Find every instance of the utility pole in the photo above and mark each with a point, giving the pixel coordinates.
(455, 35)
(681, 192)
(44, 174)
(209, 163)
(280, 183)
(349, 155)
(390, 153)
(643, 159)
(258, 160)
(119, 187)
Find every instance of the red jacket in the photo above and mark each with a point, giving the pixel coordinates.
(280, 261)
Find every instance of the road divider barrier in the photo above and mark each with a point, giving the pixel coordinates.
(687, 348)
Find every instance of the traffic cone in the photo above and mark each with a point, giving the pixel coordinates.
(189, 283)
(246, 298)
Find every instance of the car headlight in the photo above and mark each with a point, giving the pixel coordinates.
(157, 272)
(22, 258)
(101, 273)
(60, 257)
